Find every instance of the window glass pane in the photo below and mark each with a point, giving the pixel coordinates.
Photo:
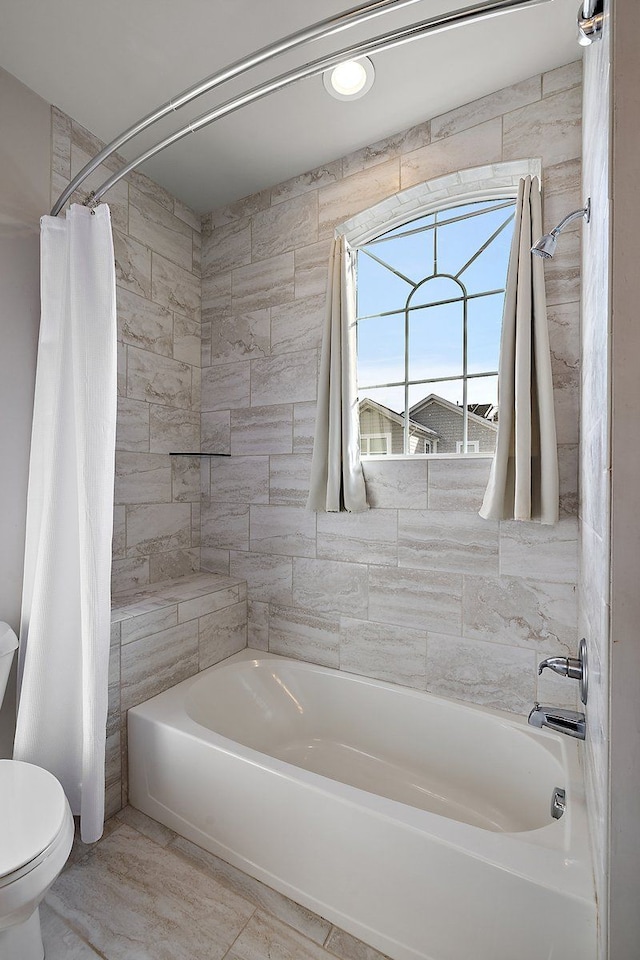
(465, 209)
(379, 289)
(442, 411)
(435, 290)
(458, 242)
(482, 390)
(449, 390)
(381, 414)
(489, 270)
(410, 225)
(391, 398)
(381, 350)
(411, 255)
(484, 323)
(482, 397)
(435, 342)
(378, 445)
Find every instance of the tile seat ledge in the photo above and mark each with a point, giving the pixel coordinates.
(154, 596)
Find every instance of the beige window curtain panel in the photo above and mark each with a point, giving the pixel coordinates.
(523, 484)
(337, 481)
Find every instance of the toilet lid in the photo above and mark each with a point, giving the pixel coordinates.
(32, 811)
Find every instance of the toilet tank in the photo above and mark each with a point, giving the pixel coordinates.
(8, 646)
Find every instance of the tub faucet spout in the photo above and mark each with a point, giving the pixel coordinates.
(570, 722)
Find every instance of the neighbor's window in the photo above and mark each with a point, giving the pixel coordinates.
(473, 446)
(375, 443)
(429, 312)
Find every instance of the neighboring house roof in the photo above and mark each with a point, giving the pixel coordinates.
(488, 411)
(447, 404)
(419, 428)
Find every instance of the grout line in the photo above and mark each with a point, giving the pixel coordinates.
(227, 954)
(74, 929)
(222, 881)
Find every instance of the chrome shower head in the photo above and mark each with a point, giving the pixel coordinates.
(545, 247)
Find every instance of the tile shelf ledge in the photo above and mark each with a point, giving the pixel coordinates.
(173, 453)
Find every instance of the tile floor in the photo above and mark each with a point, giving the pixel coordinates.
(144, 893)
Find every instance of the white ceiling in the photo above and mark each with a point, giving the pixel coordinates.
(108, 64)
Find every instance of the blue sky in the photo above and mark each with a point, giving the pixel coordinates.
(435, 333)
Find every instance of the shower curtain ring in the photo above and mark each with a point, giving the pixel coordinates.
(92, 203)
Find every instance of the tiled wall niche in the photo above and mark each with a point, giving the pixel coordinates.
(157, 251)
(418, 590)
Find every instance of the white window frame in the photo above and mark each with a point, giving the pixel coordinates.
(473, 446)
(374, 436)
(448, 210)
(490, 181)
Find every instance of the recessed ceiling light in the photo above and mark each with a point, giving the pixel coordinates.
(349, 80)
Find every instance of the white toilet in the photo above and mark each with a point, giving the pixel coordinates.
(36, 834)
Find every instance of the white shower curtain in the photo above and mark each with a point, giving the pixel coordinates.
(65, 622)
(523, 484)
(337, 481)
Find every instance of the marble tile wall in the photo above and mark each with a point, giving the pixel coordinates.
(163, 633)
(156, 497)
(157, 251)
(594, 516)
(418, 590)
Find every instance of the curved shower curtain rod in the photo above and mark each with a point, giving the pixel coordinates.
(317, 31)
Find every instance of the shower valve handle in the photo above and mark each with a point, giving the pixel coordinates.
(565, 666)
(572, 667)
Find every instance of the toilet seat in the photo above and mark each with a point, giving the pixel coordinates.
(33, 817)
(22, 871)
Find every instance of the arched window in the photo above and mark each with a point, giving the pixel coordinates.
(430, 295)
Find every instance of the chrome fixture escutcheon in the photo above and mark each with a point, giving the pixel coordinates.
(584, 679)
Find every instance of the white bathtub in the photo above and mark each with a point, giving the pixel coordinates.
(418, 824)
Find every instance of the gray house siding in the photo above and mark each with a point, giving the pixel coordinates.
(448, 424)
(374, 423)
